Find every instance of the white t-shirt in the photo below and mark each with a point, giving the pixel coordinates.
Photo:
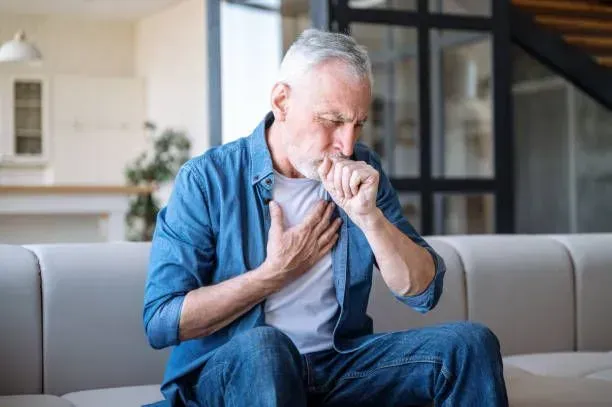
(306, 309)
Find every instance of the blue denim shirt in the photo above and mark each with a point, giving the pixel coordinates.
(215, 227)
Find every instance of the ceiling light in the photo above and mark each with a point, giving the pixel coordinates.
(19, 50)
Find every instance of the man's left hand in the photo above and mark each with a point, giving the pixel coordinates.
(353, 185)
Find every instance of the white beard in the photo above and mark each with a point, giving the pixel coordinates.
(309, 170)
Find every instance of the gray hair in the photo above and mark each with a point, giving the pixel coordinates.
(314, 47)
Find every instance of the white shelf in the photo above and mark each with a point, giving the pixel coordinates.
(23, 161)
(28, 104)
(28, 132)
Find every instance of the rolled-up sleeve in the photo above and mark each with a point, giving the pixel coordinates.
(388, 202)
(181, 258)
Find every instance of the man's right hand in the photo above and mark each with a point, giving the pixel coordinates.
(292, 252)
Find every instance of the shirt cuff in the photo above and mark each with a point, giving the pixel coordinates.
(164, 326)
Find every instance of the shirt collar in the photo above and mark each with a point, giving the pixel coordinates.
(261, 161)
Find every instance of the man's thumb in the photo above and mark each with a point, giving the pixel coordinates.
(276, 215)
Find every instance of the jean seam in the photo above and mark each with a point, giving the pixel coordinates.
(395, 363)
(308, 376)
(221, 366)
(227, 395)
(399, 362)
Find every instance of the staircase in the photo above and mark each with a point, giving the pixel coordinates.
(582, 23)
(573, 37)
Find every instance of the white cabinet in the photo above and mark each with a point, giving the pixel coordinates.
(70, 129)
(28, 117)
(24, 119)
(24, 129)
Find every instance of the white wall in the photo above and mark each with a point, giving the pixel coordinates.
(94, 103)
(104, 79)
(98, 128)
(251, 51)
(171, 52)
(74, 45)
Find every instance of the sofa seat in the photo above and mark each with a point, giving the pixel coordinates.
(547, 380)
(34, 400)
(559, 379)
(133, 396)
(566, 364)
(539, 380)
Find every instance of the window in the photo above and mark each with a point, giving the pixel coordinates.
(461, 7)
(463, 147)
(470, 213)
(392, 128)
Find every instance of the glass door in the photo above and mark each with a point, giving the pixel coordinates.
(440, 114)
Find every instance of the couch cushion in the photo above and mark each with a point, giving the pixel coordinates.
(601, 375)
(92, 306)
(20, 322)
(593, 270)
(390, 314)
(522, 288)
(37, 400)
(569, 364)
(117, 397)
(510, 370)
(546, 391)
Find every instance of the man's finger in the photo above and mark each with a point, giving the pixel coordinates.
(330, 174)
(315, 214)
(329, 232)
(354, 182)
(347, 171)
(338, 179)
(276, 216)
(324, 222)
(329, 245)
(324, 168)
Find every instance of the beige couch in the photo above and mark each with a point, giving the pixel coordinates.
(71, 328)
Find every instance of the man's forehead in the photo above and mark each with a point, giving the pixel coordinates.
(343, 96)
(344, 114)
(337, 104)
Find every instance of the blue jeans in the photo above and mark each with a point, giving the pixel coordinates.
(455, 364)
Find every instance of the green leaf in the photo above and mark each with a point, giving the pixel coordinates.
(167, 154)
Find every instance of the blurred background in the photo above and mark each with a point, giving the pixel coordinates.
(490, 117)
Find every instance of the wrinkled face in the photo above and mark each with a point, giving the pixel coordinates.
(325, 113)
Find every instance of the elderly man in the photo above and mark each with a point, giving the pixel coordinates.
(262, 261)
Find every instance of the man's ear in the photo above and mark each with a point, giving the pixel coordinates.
(280, 100)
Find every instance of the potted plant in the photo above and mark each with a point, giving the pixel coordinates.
(154, 167)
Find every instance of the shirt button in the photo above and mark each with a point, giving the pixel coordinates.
(268, 181)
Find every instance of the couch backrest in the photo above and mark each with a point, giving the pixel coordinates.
(537, 293)
(92, 300)
(20, 322)
(522, 287)
(592, 263)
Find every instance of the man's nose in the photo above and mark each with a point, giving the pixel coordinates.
(346, 139)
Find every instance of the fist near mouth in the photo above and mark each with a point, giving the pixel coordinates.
(353, 185)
